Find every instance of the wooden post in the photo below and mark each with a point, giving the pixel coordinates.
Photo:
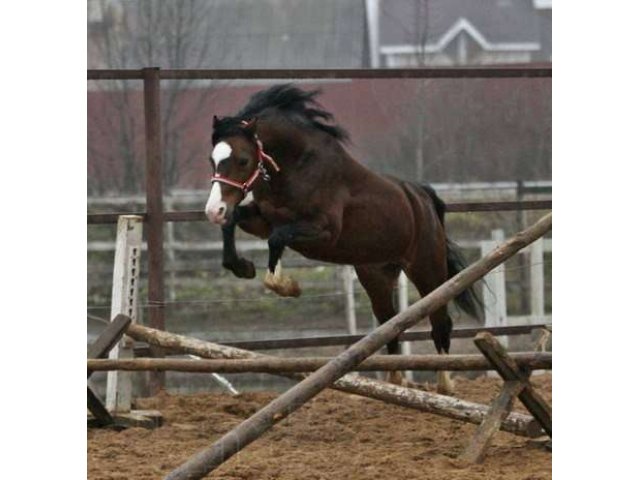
(403, 304)
(155, 223)
(522, 268)
(494, 289)
(348, 276)
(101, 415)
(124, 300)
(252, 428)
(509, 371)
(108, 338)
(500, 408)
(100, 347)
(171, 251)
(536, 268)
(374, 325)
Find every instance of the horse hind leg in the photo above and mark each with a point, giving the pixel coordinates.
(426, 278)
(441, 326)
(379, 283)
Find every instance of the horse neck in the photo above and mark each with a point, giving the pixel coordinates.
(298, 151)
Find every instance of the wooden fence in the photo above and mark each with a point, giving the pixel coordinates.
(154, 214)
(494, 291)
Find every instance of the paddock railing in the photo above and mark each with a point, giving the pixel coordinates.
(151, 77)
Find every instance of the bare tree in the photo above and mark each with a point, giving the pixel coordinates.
(164, 33)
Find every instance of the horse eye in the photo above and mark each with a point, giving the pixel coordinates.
(243, 162)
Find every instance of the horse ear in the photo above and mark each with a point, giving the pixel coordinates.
(251, 125)
(216, 120)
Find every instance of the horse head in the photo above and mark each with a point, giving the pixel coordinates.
(238, 162)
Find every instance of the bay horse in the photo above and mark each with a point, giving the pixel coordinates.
(282, 173)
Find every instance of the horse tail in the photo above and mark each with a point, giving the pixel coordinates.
(469, 300)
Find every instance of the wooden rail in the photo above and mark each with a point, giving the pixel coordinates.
(511, 71)
(339, 340)
(199, 216)
(529, 360)
(343, 340)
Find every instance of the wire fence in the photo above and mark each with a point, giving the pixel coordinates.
(261, 298)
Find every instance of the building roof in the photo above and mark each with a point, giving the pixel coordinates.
(496, 22)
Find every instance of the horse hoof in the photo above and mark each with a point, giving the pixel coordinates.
(281, 285)
(242, 268)
(396, 378)
(445, 384)
(290, 288)
(416, 386)
(443, 390)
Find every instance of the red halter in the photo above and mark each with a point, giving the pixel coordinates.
(260, 170)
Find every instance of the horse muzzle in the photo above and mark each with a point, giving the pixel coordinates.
(217, 213)
(217, 209)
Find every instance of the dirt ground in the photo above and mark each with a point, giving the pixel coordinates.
(334, 437)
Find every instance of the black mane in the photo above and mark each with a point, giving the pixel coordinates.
(298, 105)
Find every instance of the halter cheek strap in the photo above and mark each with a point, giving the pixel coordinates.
(261, 153)
(263, 156)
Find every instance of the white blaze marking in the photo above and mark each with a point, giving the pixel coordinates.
(216, 194)
(221, 151)
(215, 201)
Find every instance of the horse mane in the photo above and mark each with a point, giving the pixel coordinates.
(298, 105)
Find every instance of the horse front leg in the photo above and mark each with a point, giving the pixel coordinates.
(279, 239)
(241, 267)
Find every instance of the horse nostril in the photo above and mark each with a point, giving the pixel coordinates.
(220, 210)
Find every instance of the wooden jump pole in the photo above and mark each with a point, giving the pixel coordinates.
(252, 428)
(529, 360)
(443, 405)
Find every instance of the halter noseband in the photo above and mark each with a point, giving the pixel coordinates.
(261, 169)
